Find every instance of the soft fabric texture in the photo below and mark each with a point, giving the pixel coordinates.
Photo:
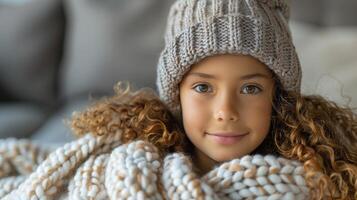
(105, 41)
(102, 167)
(31, 37)
(328, 59)
(108, 41)
(55, 130)
(20, 119)
(325, 13)
(200, 28)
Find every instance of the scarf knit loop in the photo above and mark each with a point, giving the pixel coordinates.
(102, 167)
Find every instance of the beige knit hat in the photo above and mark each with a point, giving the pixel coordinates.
(200, 28)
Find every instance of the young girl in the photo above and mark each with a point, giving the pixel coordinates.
(230, 122)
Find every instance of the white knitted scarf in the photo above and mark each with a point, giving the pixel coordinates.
(101, 167)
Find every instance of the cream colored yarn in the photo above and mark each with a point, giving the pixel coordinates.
(102, 167)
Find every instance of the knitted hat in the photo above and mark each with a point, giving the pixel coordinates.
(200, 28)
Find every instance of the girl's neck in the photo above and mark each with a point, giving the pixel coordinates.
(202, 164)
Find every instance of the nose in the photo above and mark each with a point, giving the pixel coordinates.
(226, 109)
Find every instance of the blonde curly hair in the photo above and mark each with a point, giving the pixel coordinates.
(309, 128)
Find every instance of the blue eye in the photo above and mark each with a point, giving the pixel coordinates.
(251, 89)
(201, 88)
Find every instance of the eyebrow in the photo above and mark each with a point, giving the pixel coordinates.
(244, 77)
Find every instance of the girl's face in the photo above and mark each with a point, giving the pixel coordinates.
(226, 103)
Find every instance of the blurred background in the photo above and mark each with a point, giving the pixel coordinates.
(57, 55)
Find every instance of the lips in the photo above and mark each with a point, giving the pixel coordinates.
(226, 138)
(227, 134)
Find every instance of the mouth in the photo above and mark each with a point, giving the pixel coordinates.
(226, 138)
(227, 134)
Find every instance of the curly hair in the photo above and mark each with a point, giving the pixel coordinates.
(139, 114)
(323, 136)
(311, 129)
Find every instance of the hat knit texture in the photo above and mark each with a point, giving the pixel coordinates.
(104, 168)
(200, 28)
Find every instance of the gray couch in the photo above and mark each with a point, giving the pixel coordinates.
(55, 55)
(325, 34)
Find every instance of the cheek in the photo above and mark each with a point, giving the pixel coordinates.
(193, 112)
(258, 115)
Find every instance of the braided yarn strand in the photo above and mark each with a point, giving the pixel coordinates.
(51, 175)
(9, 184)
(19, 156)
(103, 168)
(132, 172)
(88, 181)
(258, 177)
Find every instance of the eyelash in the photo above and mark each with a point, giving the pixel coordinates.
(259, 89)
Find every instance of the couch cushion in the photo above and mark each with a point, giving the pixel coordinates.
(328, 60)
(325, 12)
(110, 41)
(31, 38)
(19, 120)
(55, 130)
(308, 11)
(341, 13)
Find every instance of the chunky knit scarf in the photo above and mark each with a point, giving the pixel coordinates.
(102, 167)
